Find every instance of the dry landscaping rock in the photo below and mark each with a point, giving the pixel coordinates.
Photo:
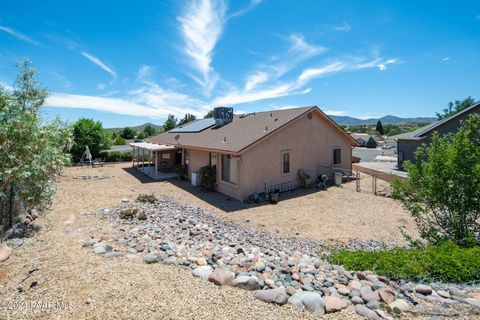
(334, 304)
(277, 295)
(5, 253)
(221, 277)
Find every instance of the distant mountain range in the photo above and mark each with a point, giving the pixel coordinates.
(342, 120)
(136, 128)
(345, 120)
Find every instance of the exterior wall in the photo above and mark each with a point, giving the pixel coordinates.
(408, 147)
(197, 159)
(169, 163)
(310, 143)
(406, 150)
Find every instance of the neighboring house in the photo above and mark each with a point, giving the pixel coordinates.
(254, 152)
(361, 138)
(408, 142)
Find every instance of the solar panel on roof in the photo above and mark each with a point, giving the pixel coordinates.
(195, 126)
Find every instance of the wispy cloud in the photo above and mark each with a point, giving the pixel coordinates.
(344, 27)
(147, 100)
(445, 59)
(61, 78)
(334, 112)
(253, 4)
(201, 25)
(18, 35)
(297, 85)
(299, 51)
(99, 63)
(384, 65)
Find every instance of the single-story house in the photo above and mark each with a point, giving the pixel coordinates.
(361, 138)
(407, 143)
(254, 152)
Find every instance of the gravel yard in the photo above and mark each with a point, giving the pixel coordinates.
(68, 281)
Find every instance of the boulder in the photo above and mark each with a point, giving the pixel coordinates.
(366, 312)
(202, 261)
(333, 304)
(312, 301)
(401, 304)
(5, 253)
(246, 282)
(202, 272)
(387, 295)
(99, 250)
(151, 257)
(221, 277)
(89, 243)
(473, 302)
(423, 289)
(277, 295)
(368, 294)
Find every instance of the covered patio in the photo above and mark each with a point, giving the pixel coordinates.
(158, 161)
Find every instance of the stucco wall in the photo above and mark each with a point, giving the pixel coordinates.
(310, 142)
(197, 160)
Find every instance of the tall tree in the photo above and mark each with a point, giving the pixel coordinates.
(209, 114)
(128, 133)
(442, 191)
(188, 118)
(454, 107)
(170, 123)
(371, 143)
(87, 132)
(32, 151)
(379, 128)
(149, 130)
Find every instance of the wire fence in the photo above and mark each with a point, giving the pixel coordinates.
(10, 208)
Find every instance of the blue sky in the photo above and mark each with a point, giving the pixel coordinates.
(129, 62)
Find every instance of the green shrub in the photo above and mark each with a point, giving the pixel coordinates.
(128, 213)
(371, 143)
(141, 216)
(355, 159)
(442, 192)
(116, 156)
(146, 198)
(119, 141)
(446, 262)
(208, 177)
(182, 171)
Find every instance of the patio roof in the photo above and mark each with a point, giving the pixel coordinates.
(152, 146)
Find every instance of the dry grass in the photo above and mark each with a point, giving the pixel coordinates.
(122, 289)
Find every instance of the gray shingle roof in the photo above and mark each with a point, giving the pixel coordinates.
(237, 135)
(421, 132)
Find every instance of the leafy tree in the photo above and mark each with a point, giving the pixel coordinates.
(170, 123)
(149, 131)
(371, 143)
(379, 128)
(209, 114)
(141, 135)
(128, 133)
(188, 118)
(119, 141)
(454, 107)
(394, 131)
(442, 192)
(32, 151)
(87, 132)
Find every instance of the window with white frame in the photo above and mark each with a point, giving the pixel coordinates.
(229, 169)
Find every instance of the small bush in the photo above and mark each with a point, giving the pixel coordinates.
(355, 159)
(119, 141)
(371, 143)
(208, 177)
(146, 198)
(182, 171)
(141, 216)
(128, 213)
(447, 263)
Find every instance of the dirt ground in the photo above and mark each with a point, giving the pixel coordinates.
(52, 267)
(338, 214)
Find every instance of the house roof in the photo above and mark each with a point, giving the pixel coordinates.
(151, 146)
(243, 131)
(421, 132)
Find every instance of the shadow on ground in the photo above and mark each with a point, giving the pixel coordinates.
(218, 200)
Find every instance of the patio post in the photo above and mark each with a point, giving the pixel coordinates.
(150, 162)
(133, 157)
(155, 163)
(143, 159)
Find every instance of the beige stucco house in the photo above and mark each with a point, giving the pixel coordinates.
(254, 152)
